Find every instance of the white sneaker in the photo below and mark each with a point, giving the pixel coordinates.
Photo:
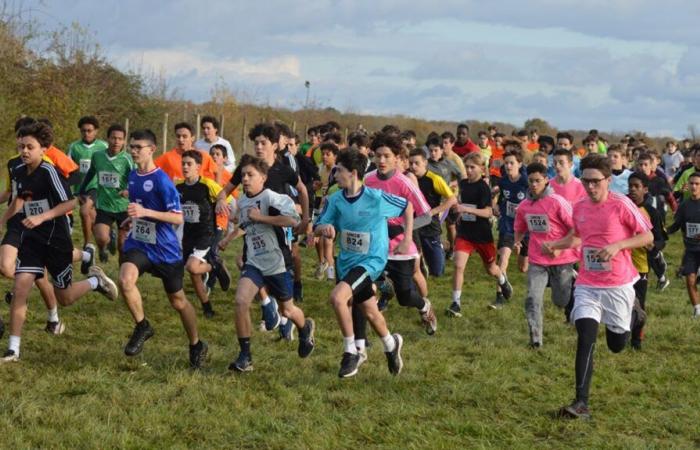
(56, 328)
(330, 273)
(363, 356)
(320, 270)
(9, 356)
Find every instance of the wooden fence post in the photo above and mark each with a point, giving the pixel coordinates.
(126, 127)
(198, 125)
(243, 141)
(165, 132)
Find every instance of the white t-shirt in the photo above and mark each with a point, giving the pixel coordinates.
(203, 144)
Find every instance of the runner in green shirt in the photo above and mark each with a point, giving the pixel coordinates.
(109, 170)
(81, 152)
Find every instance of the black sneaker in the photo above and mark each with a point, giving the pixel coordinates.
(454, 310)
(506, 289)
(112, 246)
(8, 297)
(500, 301)
(349, 365)
(244, 363)
(85, 265)
(142, 332)
(306, 338)
(576, 410)
(208, 310)
(9, 356)
(223, 275)
(449, 255)
(198, 354)
(56, 328)
(393, 358)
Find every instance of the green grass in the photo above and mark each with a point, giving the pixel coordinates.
(472, 385)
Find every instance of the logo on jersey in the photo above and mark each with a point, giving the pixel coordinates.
(521, 195)
(148, 185)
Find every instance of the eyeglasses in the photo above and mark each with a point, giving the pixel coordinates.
(591, 181)
(138, 147)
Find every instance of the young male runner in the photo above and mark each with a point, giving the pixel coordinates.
(263, 214)
(565, 183)
(607, 226)
(171, 161)
(210, 128)
(152, 246)
(357, 215)
(41, 203)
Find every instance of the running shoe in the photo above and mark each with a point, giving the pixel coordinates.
(393, 358)
(270, 315)
(56, 328)
(307, 342)
(500, 301)
(105, 285)
(142, 332)
(349, 365)
(429, 320)
(287, 330)
(244, 363)
(506, 289)
(576, 410)
(454, 310)
(320, 272)
(9, 356)
(85, 265)
(198, 354)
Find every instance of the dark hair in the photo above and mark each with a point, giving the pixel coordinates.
(513, 143)
(115, 127)
(639, 176)
(39, 131)
(333, 137)
(563, 152)
(645, 156)
(88, 120)
(391, 129)
(223, 149)
(517, 154)
(408, 134)
(212, 120)
(546, 140)
(565, 135)
(352, 159)
(482, 133)
(311, 130)
(264, 129)
(598, 162)
(186, 125)
(323, 129)
(463, 125)
(23, 122)
(283, 129)
(417, 152)
(522, 133)
(499, 134)
(434, 142)
(45, 121)
(616, 148)
(588, 139)
(143, 135)
(694, 174)
(389, 140)
(358, 139)
(257, 163)
(194, 154)
(329, 146)
(448, 135)
(333, 125)
(536, 167)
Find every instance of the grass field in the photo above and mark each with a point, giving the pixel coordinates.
(475, 384)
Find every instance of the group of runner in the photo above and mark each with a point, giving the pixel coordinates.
(589, 223)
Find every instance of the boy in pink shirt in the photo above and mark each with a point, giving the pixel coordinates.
(607, 226)
(547, 217)
(564, 183)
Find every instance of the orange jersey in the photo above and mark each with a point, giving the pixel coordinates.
(533, 147)
(222, 178)
(61, 161)
(496, 161)
(170, 162)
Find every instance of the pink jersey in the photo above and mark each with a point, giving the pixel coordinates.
(601, 224)
(548, 218)
(572, 191)
(400, 185)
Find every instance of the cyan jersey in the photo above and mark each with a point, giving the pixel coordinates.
(511, 194)
(361, 228)
(154, 190)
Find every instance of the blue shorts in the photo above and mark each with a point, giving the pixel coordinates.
(278, 285)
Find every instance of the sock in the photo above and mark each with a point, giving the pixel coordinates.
(93, 283)
(426, 306)
(244, 343)
(14, 344)
(197, 345)
(360, 344)
(389, 343)
(207, 306)
(86, 256)
(696, 307)
(457, 297)
(349, 345)
(662, 278)
(53, 314)
(265, 301)
(501, 278)
(283, 320)
(587, 330)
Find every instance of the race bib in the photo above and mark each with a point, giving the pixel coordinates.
(592, 261)
(144, 231)
(510, 209)
(692, 230)
(466, 217)
(190, 212)
(355, 241)
(537, 223)
(84, 165)
(36, 207)
(108, 179)
(260, 244)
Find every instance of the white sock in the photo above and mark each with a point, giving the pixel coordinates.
(457, 297)
(283, 320)
(53, 314)
(86, 256)
(360, 345)
(501, 278)
(697, 307)
(93, 283)
(425, 307)
(389, 343)
(349, 345)
(14, 344)
(266, 300)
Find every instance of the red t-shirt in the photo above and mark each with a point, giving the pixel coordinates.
(468, 147)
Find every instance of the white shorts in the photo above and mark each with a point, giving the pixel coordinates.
(199, 254)
(611, 306)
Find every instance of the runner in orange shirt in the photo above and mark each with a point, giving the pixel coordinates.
(170, 162)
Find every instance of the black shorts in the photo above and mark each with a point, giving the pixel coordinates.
(198, 246)
(507, 240)
(170, 274)
(108, 218)
(13, 236)
(690, 263)
(34, 256)
(361, 284)
(400, 273)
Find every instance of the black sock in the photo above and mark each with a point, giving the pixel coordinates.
(587, 330)
(207, 307)
(359, 324)
(197, 345)
(143, 323)
(244, 343)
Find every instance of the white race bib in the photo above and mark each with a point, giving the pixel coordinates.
(190, 212)
(36, 207)
(592, 261)
(84, 165)
(355, 241)
(692, 230)
(108, 179)
(260, 244)
(510, 208)
(537, 223)
(466, 217)
(144, 231)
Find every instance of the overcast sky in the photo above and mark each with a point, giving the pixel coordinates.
(615, 65)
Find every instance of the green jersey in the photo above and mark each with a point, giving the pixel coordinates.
(682, 183)
(109, 175)
(81, 153)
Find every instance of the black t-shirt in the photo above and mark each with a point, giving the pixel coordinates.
(197, 201)
(42, 190)
(687, 221)
(472, 228)
(279, 178)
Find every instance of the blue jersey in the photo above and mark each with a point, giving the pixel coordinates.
(511, 194)
(361, 228)
(154, 190)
